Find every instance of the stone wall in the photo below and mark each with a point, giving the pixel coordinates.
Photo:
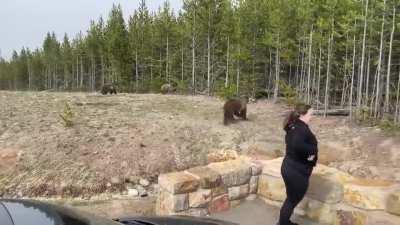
(205, 190)
(333, 197)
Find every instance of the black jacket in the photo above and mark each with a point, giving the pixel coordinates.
(301, 143)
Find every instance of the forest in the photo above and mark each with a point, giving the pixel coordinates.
(329, 53)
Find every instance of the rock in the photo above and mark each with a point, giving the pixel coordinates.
(133, 192)
(393, 203)
(233, 173)
(178, 183)
(350, 218)
(124, 164)
(326, 190)
(271, 167)
(142, 191)
(115, 180)
(382, 218)
(251, 197)
(271, 187)
(221, 156)
(219, 204)
(133, 179)
(218, 191)
(144, 182)
(235, 203)
(238, 192)
(200, 198)
(168, 203)
(318, 211)
(366, 197)
(256, 168)
(208, 178)
(253, 184)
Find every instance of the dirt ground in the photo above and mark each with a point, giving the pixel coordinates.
(116, 139)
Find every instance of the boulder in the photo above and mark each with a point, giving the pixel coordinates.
(238, 192)
(233, 173)
(219, 204)
(271, 187)
(178, 183)
(200, 198)
(253, 184)
(393, 203)
(207, 177)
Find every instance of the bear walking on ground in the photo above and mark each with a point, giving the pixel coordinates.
(167, 88)
(108, 89)
(234, 107)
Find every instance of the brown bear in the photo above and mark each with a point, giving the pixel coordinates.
(235, 107)
(108, 89)
(167, 88)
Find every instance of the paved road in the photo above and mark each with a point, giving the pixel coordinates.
(255, 213)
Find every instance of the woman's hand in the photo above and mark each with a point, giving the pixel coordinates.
(311, 158)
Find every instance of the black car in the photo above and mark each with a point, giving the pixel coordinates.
(29, 212)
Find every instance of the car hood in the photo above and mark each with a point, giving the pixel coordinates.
(175, 220)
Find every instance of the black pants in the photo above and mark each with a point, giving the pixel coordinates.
(296, 177)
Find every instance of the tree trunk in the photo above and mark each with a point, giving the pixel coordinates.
(359, 95)
(77, 72)
(193, 55)
(326, 102)
(238, 74)
(302, 75)
(309, 66)
(29, 74)
(397, 113)
(377, 93)
(136, 72)
(227, 66)
(352, 76)
(102, 71)
(277, 70)
(345, 81)
(182, 62)
(368, 78)
(389, 64)
(167, 60)
(319, 75)
(270, 70)
(208, 53)
(81, 84)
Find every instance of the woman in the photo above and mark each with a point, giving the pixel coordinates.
(301, 156)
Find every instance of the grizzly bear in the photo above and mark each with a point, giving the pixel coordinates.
(234, 107)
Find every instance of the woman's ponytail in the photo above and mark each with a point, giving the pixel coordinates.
(300, 109)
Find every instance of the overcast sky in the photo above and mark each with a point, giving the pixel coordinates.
(26, 22)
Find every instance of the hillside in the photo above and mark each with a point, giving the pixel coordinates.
(115, 140)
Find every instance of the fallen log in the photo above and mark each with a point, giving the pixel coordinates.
(332, 112)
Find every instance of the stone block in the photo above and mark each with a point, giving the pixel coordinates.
(253, 184)
(271, 187)
(178, 183)
(200, 198)
(219, 204)
(233, 173)
(207, 177)
(238, 192)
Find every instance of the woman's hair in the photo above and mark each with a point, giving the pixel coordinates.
(299, 109)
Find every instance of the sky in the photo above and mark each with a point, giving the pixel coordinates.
(26, 22)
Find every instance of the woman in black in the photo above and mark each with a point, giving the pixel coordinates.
(301, 156)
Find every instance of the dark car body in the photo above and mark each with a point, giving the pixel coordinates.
(30, 212)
